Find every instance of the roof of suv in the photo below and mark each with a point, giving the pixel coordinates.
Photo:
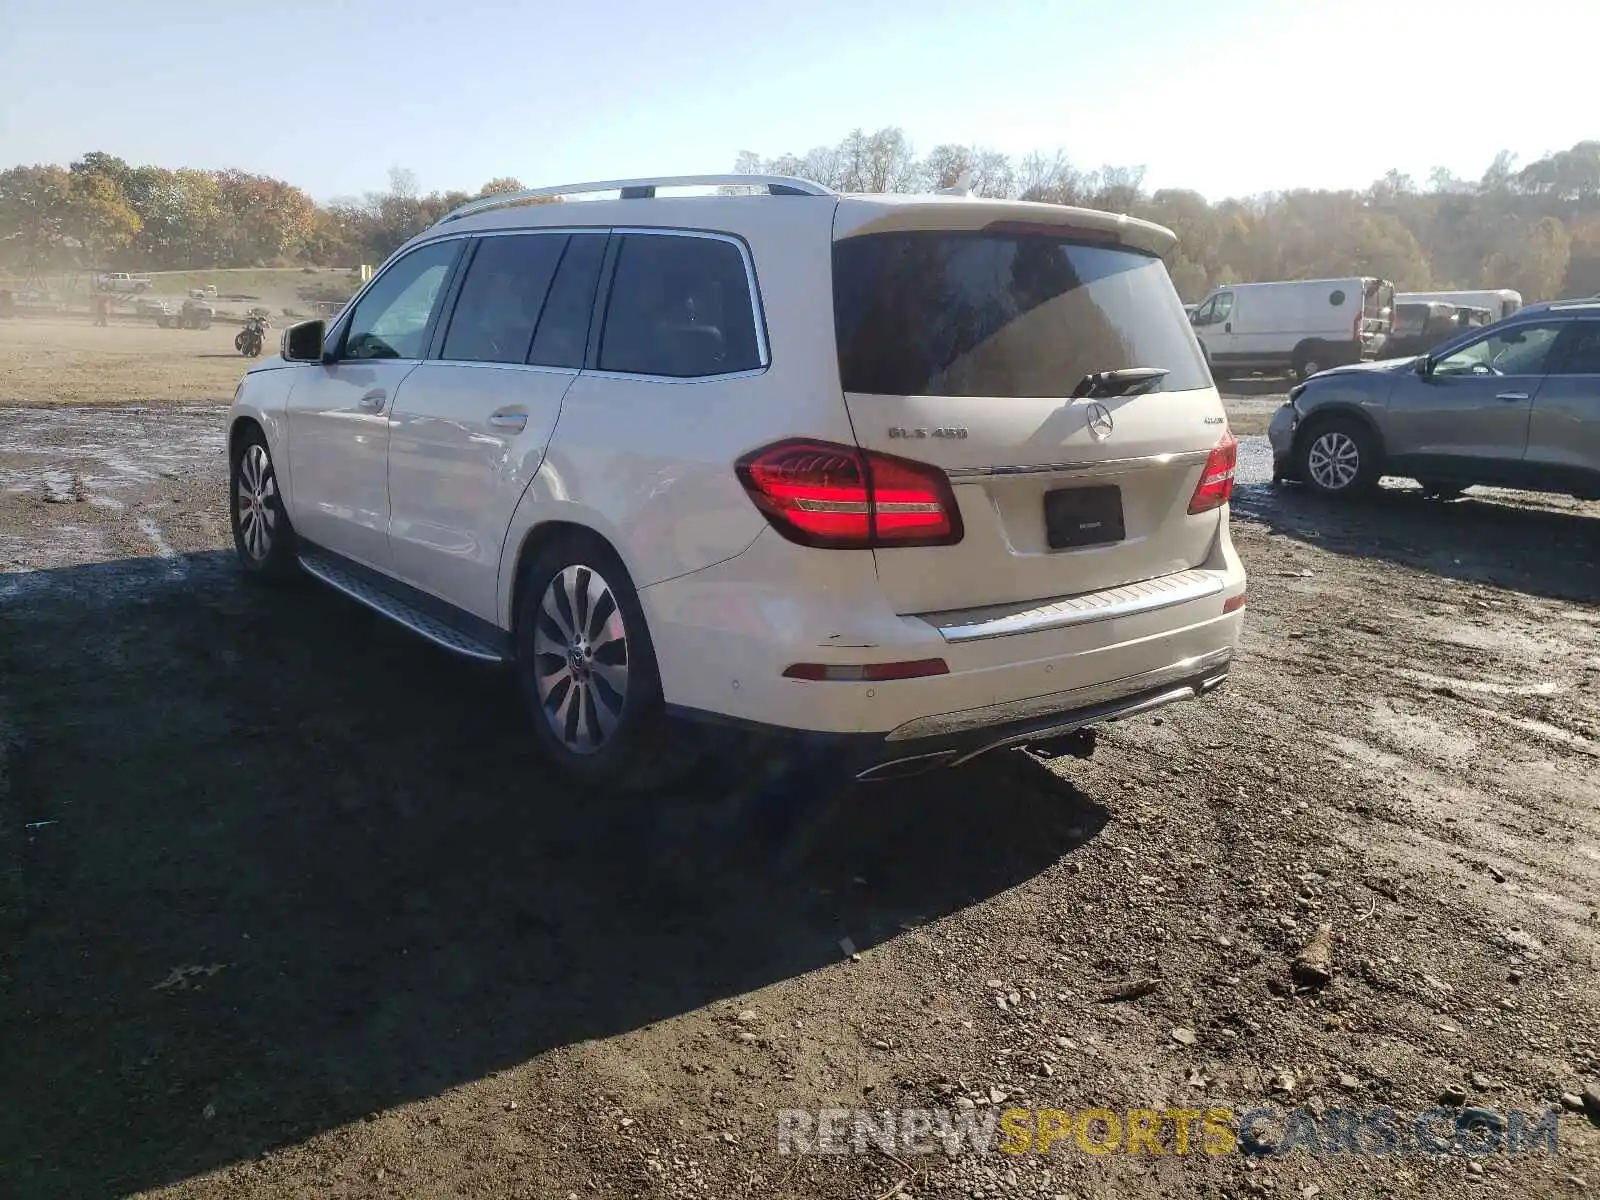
(852, 213)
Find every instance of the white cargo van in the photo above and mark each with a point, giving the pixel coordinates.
(1501, 302)
(1304, 325)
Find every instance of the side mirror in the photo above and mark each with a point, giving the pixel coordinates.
(1424, 366)
(303, 342)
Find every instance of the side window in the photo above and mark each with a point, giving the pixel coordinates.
(679, 307)
(1521, 350)
(563, 334)
(1583, 351)
(391, 320)
(1224, 307)
(501, 297)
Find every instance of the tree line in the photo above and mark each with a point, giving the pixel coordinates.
(1535, 228)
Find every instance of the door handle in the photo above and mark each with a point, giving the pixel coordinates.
(372, 401)
(516, 422)
(1228, 327)
(1512, 396)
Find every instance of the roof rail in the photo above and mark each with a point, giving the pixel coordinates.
(641, 189)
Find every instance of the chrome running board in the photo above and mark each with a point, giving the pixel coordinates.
(342, 578)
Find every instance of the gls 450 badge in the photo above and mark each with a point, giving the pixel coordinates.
(956, 432)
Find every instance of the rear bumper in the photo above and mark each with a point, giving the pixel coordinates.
(922, 745)
(723, 649)
(952, 739)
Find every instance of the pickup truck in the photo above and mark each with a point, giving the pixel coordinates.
(121, 281)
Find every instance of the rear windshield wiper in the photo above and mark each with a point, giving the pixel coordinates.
(1129, 381)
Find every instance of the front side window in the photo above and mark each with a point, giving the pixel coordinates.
(392, 319)
(1224, 308)
(925, 313)
(1518, 351)
(501, 298)
(680, 307)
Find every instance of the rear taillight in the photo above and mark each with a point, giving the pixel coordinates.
(1216, 481)
(840, 497)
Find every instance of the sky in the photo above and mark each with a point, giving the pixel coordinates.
(1229, 97)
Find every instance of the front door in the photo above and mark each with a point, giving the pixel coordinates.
(1213, 325)
(339, 409)
(471, 424)
(1469, 415)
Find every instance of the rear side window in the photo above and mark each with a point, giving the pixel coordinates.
(563, 336)
(1583, 351)
(976, 314)
(501, 298)
(680, 307)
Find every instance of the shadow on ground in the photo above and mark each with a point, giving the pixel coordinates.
(1509, 540)
(387, 894)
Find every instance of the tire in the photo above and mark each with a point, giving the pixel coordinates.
(1339, 457)
(587, 670)
(1309, 358)
(263, 538)
(238, 342)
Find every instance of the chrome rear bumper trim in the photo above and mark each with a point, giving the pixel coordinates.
(1104, 466)
(1069, 703)
(1003, 620)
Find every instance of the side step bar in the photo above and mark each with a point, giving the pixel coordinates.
(354, 582)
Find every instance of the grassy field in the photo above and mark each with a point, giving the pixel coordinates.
(67, 360)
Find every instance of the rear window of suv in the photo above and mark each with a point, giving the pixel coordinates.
(978, 314)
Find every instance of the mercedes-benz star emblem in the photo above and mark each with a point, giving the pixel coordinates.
(1100, 422)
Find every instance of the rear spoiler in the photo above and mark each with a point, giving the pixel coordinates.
(858, 216)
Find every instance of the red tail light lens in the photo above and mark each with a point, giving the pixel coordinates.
(840, 497)
(1216, 481)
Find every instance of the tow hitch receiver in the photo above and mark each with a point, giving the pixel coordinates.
(1079, 743)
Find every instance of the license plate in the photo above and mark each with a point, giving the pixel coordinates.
(1087, 516)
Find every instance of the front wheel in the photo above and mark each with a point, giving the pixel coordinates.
(588, 671)
(263, 539)
(1339, 457)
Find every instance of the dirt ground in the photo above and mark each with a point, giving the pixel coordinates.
(289, 908)
(68, 360)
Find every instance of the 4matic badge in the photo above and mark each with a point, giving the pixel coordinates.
(956, 432)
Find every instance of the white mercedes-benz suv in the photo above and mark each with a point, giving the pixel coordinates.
(917, 476)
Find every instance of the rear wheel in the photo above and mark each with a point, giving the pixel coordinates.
(1309, 358)
(588, 670)
(1339, 456)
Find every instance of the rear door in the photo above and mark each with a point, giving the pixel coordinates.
(470, 426)
(961, 347)
(1564, 428)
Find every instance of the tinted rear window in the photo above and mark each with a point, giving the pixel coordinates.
(975, 314)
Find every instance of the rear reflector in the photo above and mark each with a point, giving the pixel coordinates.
(841, 497)
(1216, 481)
(919, 668)
(1233, 604)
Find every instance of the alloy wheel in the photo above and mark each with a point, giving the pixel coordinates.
(257, 491)
(580, 647)
(1334, 461)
